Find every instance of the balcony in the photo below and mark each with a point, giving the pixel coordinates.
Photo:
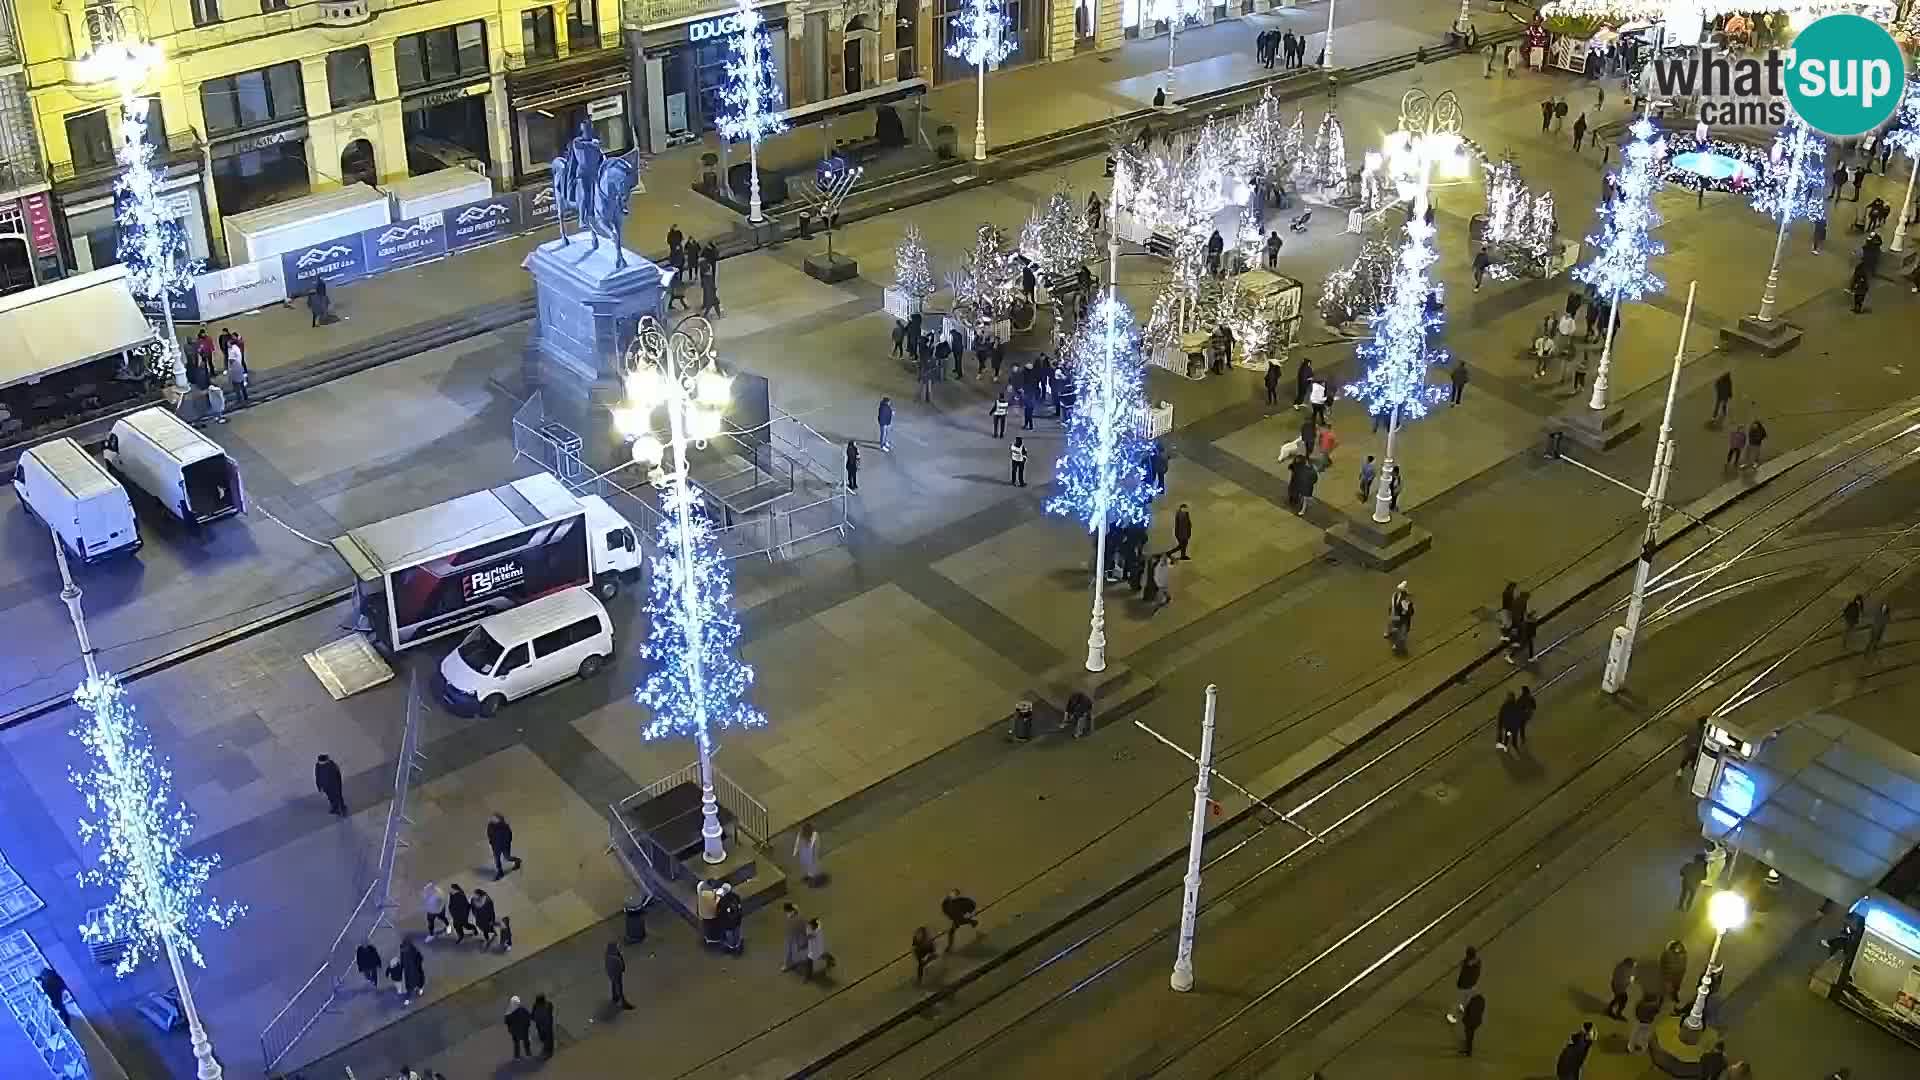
(181, 146)
(583, 50)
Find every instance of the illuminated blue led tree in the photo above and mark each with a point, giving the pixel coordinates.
(1625, 244)
(750, 103)
(980, 38)
(1102, 474)
(1400, 352)
(697, 683)
(1904, 135)
(1794, 187)
(139, 835)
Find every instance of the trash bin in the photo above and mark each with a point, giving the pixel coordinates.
(636, 914)
(1023, 720)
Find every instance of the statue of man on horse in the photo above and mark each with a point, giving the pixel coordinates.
(596, 189)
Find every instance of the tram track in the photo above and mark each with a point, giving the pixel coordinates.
(1245, 859)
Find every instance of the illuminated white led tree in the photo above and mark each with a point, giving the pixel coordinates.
(1101, 475)
(139, 836)
(1794, 187)
(1056, 238)
(980, 38)
(750, 102)
(1905, 137)
(912, 270)
(697, 684)
(1625, 244)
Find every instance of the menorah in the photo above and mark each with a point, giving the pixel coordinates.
(825, 192)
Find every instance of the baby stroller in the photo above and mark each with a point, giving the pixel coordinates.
(1299, 224)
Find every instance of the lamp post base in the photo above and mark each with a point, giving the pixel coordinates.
(1770, 337)
(1596, 429)
(1375, 545)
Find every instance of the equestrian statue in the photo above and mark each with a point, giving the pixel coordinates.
(597, 189)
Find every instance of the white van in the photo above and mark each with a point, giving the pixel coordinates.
(168, 459)
(60, 484)
(525, 650)
(612, 545)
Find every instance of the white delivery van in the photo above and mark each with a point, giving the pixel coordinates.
(525, 650)
(60, 484)
(168, 459)
(612, 545)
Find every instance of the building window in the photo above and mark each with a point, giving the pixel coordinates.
(349, 76)
(583, 25)
(536, 34)
(272, 5)
(205, 12)
(87, 136)
(253, 98)
(451, 52)
(156, 134)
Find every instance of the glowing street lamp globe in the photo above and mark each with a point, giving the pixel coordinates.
(1727, 910)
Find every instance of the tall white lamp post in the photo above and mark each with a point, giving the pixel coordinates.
(1726, 910)
(750, 102)
(1906, 138)
(1463, 22)
(1326, 47)
(980, 38)
(1182, 978)
(697, 684)
(1789, 194)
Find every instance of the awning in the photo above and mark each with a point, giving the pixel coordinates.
(68, 323)
(1824, 801)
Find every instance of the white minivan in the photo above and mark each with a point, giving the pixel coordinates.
(526, 649)
(62, 485)
(188, 473)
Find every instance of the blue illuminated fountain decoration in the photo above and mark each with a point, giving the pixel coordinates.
(1715, 165)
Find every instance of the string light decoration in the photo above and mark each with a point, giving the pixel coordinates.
(750, 101)
(151, 244)
(1362, 286)
(1686, 160)
(1056, 237)
(140, 835)
(1625, 246)
(988, 281)
(1327, 166)
(1620, 12)
(1100, 479)
(912, 270)
(1520, 225)
(1904, 136)
(980, 38)
(1398, 356)
(1793, 185)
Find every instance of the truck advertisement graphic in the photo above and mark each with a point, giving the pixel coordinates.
(444, 593)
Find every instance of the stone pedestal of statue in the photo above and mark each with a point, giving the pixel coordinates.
(586, 316)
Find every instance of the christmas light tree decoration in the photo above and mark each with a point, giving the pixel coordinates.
(1793, 185)
(150, 244)
(1397, 357)
(1622, 12)
(1056, 238)
(1101, 475)
(751, 98)
(1327, 166)
(1520, 226)
(1904, 136)
(1625, 246)
(138, 834)
(697, 683)
(912, 271)
(987, 282)
(980, 38)
(1362, 286)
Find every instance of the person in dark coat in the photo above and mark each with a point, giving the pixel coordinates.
(1505, 721)
(519, 1025)
(709, 287)
(1713, 1063)
(853, 467)
(367, 959)
(543, 1023)
(317, 302)
(413, 969)
(484, 918)
(1182, 533)
(1302, 383)
(1465, 978)
(500, 839)
(1691, 876)
(1526, 703)
(616, 965)
(460, 912)
(55, 987)
(1573, 1057)
(1621, 984)
(923, 953)
(1272, 382)
(326, 777)
(1673, 969)
(1471, 1017)
(959, 911)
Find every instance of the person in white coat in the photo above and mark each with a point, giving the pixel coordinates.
(806, 851)
(434, 903)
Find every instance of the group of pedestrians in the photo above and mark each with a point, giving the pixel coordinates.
(205, 360)
(1744, 445)
(1285, 49)
(1876, 626)
(1518, 623)
(522, 1021)
(687, 258)
(456, 912)
(959, 910)
(806, 945)
(406, 970)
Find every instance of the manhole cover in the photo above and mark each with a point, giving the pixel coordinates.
(1440, 793)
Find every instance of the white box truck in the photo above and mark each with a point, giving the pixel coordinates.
(164, 456)
(433, 571)
(61, 485)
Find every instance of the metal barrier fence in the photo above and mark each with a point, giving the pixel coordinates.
(372, 914)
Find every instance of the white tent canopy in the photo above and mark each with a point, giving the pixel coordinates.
(68, 323)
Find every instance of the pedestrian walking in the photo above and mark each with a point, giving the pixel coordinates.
(1559, 112)
(1182, 533)
(1850, 617)
(616, 965)
(1482, 262)
(1820, 230)
(1691, 875)
(960, 911)
(1459, 376)
(675, 240)
(1877, 629)
(1673, 969)
(1756, 439)
(1486, 62)
(1274, 244)
(500, 841)
(806, 852)
(709, 288)
(853, 467)
(885, 419)
(1393, 487)
(55, 988)
(923, 953)
(1524, 707)
(1513, 62)
(819, 959)
(1722, 396)
(1319, 400)
(1505, 720)
(366, 959)
(520, 1026)
(1736, 446)
(413, 970)
(1302, 383)
(326, 777)
(237, 374)
(1399, 618)
(1644, 1014)
(1859, 177)
(1465, 978)
(1271, 380)
(459, 912)
(485, 919)
(1862, 280)
(1525, 627)
(1368, 470)
(1713, 1063)
(1162, 584)
(1573, 1057)
(543, 1023)
(506, 934)
(1621, 984)
(1579, 132)
(998, 411)
(1471, 1017)
(1017, 463)
(796, 937)
(1546, 114)
(216, 403)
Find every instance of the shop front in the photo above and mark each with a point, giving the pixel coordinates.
(549, 105)
(445, 127)
(683, 71)
(29, 244)
(260, 168)
(1027, 30)
(95, 238)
